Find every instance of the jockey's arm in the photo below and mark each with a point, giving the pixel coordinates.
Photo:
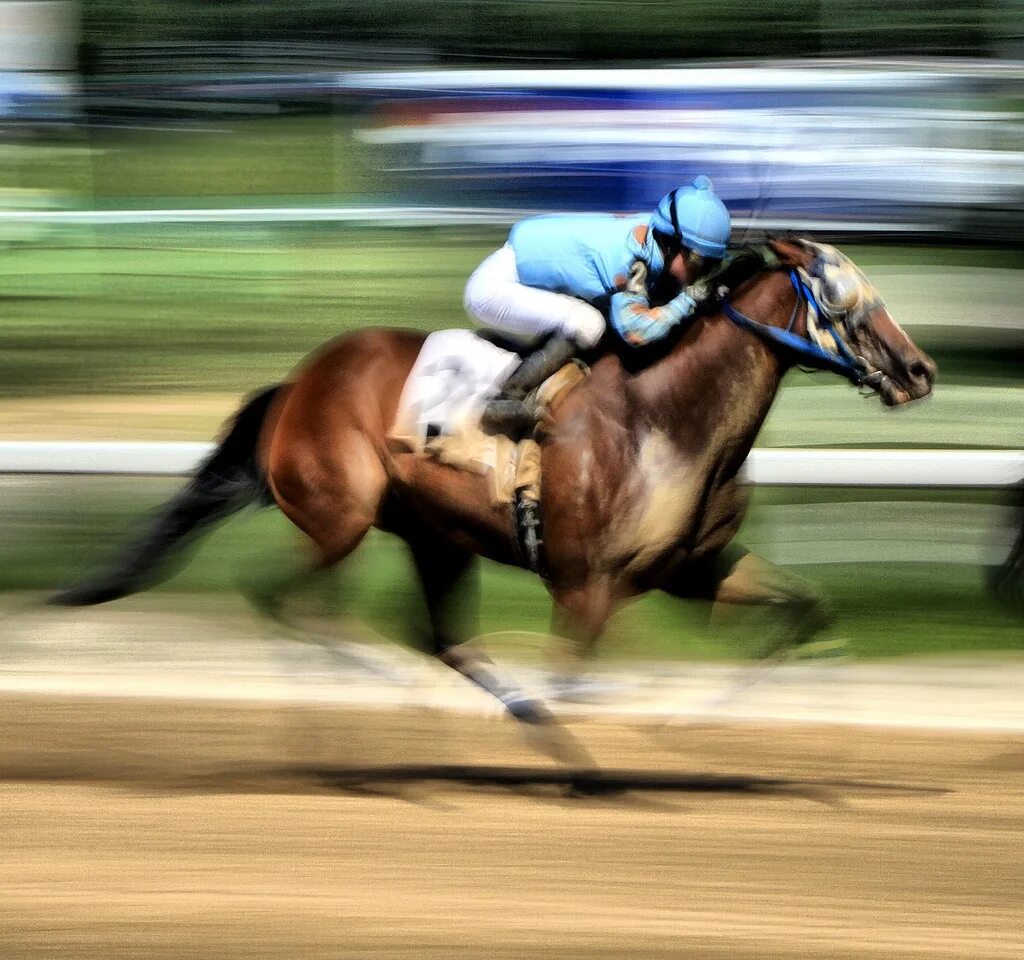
(639, 323)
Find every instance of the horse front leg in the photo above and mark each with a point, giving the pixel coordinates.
(447, 574)
(798, 608)
(578, 620)
(449, 577)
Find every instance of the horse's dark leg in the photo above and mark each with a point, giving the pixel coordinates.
(448, 574)
(449, 577)
(1007, 580)
(334, 502)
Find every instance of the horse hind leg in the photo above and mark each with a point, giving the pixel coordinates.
(449, 577)
(334, 505)
(332, 497)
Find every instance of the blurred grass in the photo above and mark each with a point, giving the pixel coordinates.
(56, 529)
(139, 312)
(196, 163)
(225, 309)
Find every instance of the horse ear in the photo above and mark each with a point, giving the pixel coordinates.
(792, 251)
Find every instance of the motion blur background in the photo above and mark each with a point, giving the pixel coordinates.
(195, 194)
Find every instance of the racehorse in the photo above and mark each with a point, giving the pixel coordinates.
(641, 485)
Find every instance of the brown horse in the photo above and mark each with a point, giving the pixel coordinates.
(641, 462)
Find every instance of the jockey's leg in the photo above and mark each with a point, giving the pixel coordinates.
(509, 412)
(495, 298)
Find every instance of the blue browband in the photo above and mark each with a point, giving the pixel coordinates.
(844, 362)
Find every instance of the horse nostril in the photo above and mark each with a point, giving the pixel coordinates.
(920, 370)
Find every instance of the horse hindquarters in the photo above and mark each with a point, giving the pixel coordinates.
(325, 458)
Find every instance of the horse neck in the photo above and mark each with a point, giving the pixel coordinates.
(713, 391)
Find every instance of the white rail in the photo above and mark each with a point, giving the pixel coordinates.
(780, 468)
(395, 217)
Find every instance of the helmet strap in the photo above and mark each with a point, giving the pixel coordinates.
(668, 244)
(674, 213)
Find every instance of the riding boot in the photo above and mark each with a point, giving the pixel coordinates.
(508, 412)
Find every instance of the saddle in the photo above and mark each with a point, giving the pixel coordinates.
(439, 418)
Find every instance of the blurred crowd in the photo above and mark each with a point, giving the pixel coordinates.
(884, 119)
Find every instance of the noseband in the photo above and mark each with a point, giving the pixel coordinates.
(843, 361)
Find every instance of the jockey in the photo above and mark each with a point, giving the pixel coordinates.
(559, 278)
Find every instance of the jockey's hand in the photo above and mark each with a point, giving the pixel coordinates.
(699, 292)
(652, 324)
(637, 282)
(649, 331)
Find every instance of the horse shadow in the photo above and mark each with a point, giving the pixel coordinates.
(587, 783)
(432, 784)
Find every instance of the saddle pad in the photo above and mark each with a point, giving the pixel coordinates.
(439, 410)
(455, 373)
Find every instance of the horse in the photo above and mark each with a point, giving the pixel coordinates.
(641, 481)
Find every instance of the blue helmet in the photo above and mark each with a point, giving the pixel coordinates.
(696, 217)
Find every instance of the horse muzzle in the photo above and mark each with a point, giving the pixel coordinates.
(913, 382)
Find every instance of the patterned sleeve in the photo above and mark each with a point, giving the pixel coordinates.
(639, 323)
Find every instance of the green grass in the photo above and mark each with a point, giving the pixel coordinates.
(197, 164)
(55, 530)
(136, 314)
(135, 310)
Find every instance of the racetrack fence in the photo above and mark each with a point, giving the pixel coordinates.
(913, 469)
(933, 506)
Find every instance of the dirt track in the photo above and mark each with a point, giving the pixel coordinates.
(176, 830)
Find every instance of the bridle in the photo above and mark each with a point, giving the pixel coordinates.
(807, 351)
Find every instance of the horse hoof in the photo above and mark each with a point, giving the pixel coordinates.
(526, 710)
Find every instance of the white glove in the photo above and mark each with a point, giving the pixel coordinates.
(698, 292)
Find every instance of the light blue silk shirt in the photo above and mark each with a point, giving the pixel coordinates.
(590, 256)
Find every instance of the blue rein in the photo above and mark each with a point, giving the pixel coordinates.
(844, 362)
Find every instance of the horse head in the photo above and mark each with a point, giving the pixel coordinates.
(848, 319)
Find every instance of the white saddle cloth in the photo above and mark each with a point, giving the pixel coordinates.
(454, 375)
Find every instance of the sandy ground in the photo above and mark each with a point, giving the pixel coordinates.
(175, 828)
(134, 417)
(189, 786)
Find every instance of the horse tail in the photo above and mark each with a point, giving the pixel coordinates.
(228, 480)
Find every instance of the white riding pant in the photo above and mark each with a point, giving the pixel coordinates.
(495, 297)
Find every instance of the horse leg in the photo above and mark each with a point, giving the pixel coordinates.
(449, 577)
(1007, 580)
(578, 620)
(739, 577)
(334, 503)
